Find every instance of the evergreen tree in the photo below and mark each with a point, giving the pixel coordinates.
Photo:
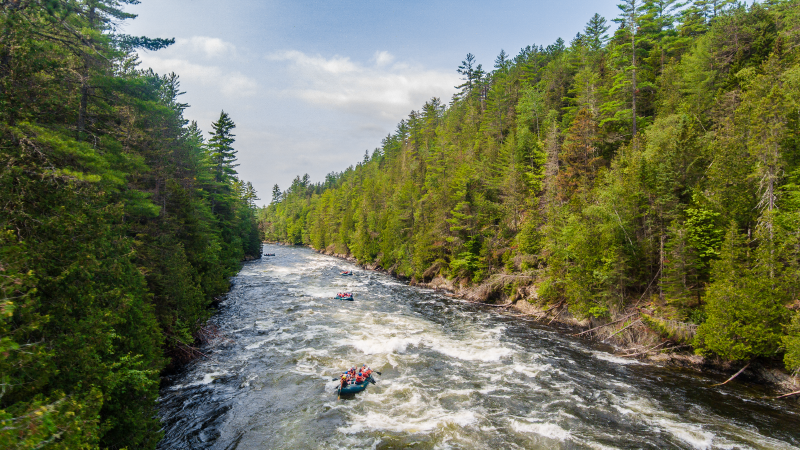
(744, 304)
(220, 146)
(276, 194)
(471, 74)
(595, 32)
(629, 20)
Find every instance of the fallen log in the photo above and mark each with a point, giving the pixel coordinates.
(786, 395)
(631, 355)
(607, 324)
(556, 316)
(734, 376)
(623, 329)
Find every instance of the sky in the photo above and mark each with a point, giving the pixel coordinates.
(311, 85)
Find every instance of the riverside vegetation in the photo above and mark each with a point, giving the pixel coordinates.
(647, 179)
(119, 226)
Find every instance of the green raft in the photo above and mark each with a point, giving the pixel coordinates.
(355, 388)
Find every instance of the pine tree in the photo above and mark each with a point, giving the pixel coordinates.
(579, 156)
(276, 194)
(220, 146)
(502, 62)
(471, 74)
(629, 21)
(744, 304)
(595, 32)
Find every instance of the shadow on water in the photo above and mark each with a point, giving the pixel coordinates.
(454, 375)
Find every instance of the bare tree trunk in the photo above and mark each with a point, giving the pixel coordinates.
(633, 50)
(661, 270)
(84, 102)
(85, 84)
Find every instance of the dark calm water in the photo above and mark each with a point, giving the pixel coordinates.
(455, 376)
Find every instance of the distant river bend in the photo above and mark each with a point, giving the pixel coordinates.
(454, 376)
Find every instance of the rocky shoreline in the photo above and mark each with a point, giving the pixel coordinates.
(625, 331)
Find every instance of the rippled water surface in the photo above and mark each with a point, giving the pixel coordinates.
(454, 375)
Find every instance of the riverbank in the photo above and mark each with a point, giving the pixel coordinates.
(453, 374)
(635, 332)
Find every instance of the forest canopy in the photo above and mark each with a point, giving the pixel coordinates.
(120, 225)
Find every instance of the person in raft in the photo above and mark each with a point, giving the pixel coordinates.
(347, 377)
(366, 371)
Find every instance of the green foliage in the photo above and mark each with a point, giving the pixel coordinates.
(744, 304)
(791, 343)
(116, 230)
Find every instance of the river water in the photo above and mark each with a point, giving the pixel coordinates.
(454, 376)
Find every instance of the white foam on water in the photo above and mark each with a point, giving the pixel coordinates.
(417, 422)
(615, 359)
(281, 271)
(256, 345)
(466, 353)
(597, 446)
(530, 370)
(692, 434)
(264, 324)
(209, 377)
(247, 380)
(545, 429)
(279, 336)
(623, 410)
(456, 393)
(493, 389)
(370, 337)
(312, 351)
(318, 291)
(391, 345)
(688, 433)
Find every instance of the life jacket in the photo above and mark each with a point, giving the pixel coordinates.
(359, 378)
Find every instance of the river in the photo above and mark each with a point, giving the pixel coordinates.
(455, 375)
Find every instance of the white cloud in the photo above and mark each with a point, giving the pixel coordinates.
(230, 83)
(335, 65)
(382, 58)
(386, 89)
(211, 47)
(236, 84)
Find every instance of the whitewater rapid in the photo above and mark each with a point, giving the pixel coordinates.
(454, 376)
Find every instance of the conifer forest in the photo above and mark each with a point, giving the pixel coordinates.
(648, 167)
(120, 224)
(644, 172)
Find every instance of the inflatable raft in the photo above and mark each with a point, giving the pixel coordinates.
(355, 388)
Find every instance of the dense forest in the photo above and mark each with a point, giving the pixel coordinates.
(119, 225)
(651, 166)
